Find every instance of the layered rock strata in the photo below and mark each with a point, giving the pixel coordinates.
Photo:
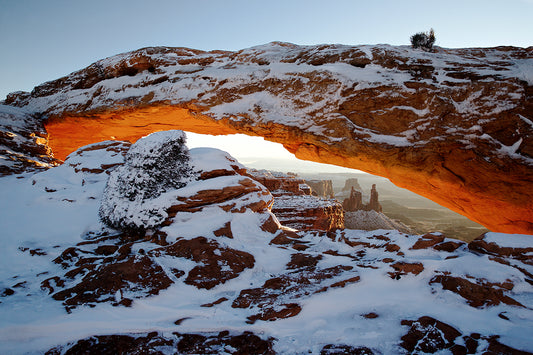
(294, 205)
(23, 142)
(321, 188)
(454, 125)
(221, 275)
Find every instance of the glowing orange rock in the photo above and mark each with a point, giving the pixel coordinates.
(453, 125)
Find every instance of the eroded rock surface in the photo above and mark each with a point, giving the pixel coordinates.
(454, 125)
(177, 343)
(221, 260)
(295, 207)
(429, 335)
(23, 142)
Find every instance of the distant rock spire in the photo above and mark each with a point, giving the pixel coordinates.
(373, 204)
(355, 201)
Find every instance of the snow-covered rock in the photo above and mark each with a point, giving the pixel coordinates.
(372, 220)
(155, 164)
(295, 207)
(454, 125)
(23, 142)
(220, 275)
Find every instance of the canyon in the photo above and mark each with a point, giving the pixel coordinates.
(453, 125)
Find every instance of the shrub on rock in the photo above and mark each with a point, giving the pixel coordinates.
(155, 164)
(423, 40)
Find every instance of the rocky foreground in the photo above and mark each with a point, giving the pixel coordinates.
(453, 125)
(216, 272)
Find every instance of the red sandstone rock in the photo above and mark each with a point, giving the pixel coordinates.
(226, 197)
(452, 125)
(245, 343)
(428, 335)
(480, 245)
(303, 280)
(216, 263)
(296, 209)
(403, 268)
(427, 241)
(354, 202)
(321, 188)
(373, 204)
(477, 294)
(23, 143)
(308, 213)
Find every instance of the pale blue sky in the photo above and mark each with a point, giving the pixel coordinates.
(43, 40)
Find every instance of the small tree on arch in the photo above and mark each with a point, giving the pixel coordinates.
(423, 40)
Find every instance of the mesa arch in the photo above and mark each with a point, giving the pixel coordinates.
(455, 126)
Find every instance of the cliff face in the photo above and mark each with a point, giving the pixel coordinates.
(322, 188)
(455, 126)
(295, 207)
(23, 142)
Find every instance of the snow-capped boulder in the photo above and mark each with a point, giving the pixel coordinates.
(155, 164)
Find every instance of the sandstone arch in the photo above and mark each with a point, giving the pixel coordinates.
(455, 126)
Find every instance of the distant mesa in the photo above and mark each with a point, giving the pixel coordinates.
(454, 125)
(351, 183)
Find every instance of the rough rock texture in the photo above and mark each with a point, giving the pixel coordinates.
(119, 266)
(23, 142)
(321, 188)
(484, 244)
(221, 275)
(274, 181)
(355, 201)
(222, 261)
(429, 335)
(153, 165)
(295, 208)
(438, 242)
(306, 212)
(373, 204)
(454, 125)
(176, 343)
(478, 293)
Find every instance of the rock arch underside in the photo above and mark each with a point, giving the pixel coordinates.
(454, 125)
